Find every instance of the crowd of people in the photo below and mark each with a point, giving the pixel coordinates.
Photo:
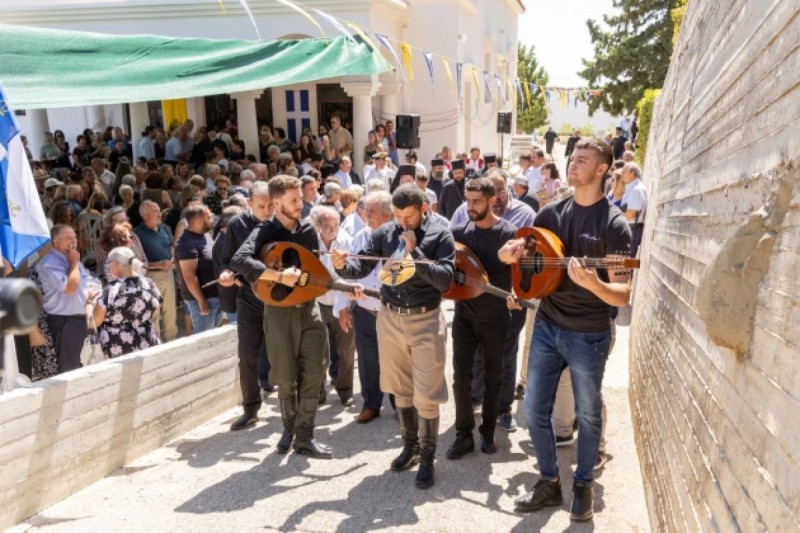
(182, 227)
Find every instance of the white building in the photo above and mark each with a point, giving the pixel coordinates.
(479, 32)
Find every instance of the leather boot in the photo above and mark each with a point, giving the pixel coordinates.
(409, 432)
(463, 445)
(428, 432)
(288, 415)
(304, 442)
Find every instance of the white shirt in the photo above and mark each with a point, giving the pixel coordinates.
(535, 178)
(386, 176)
(147, 148)
(341, 242)
(352, 224)
(420, 167)
(107, 178)
(344, 179)
(635, 198)
(305, 168)
(372, 281)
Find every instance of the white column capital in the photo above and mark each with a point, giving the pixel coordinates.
(255, 94)
(360, 85)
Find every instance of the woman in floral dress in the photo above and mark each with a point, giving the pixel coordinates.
(124, 309)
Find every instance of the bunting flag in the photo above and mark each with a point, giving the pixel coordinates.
(547, 95)
(487, 85)
(429, 60)
(368, 41)
(406, 51)
(577, 96)
(459, 84)
(251, 17)
(563, 96)
(528, 87)
(297, 8)
(475, 79)
(449, 74)
(222, 7)
(334, 22)
(521, 94)
(385, 42)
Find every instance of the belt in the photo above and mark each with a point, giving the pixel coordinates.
(408, 310)
(370, 311)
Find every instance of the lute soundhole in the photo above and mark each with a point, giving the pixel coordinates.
(532, 263)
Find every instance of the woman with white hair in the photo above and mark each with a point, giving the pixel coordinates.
(123, 311)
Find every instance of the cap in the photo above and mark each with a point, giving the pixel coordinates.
(490, 157)
(52, 182)
(521, 180)
(437, 162)
(458, 164)
(407, 170)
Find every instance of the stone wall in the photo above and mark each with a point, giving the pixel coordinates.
(71, 430)
(715, 353)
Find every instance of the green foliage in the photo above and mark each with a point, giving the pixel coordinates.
(565, 129)
(677, 15)
(632, 50)
(644, 114)
(587, 131)
(529, 71)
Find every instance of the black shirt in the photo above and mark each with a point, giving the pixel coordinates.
(227, 295)
(195, 246)
(239, 229)
(452, 197)
(424, 289)
(531, 200)
(485, 243)
(591, 231)
(245, 261)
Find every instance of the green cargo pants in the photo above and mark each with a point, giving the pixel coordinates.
(297, 346)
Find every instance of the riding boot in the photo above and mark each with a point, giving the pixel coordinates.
(409, 432)
(304, 442)
(428, 432)
(288, 415)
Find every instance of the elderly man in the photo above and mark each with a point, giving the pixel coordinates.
(343, 174)
(179, 147)
(64, 295)
(331, 193)
(340, 342)
(523, 194)
(341, 139)
(157, 244)
(105, 176)
(634, 203)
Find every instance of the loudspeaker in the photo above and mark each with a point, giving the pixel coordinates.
(504, 122)
(407, 131)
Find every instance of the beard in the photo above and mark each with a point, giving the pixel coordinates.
(477, 216)
(500, 207)
(293, 215)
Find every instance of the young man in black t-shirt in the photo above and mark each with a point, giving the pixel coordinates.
(573, 326)
(481, 321)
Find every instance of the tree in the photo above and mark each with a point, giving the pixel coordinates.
(631, 55)
(529, 71)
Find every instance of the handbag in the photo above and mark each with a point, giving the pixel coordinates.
(36, 337)
(92, 351)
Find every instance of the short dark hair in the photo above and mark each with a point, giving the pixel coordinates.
(537, 152)
(408, 195)
(306, 180)
(604, 153)
(194, 212)
(279, 185)
(228, 213)
(618, 164)
(482, 185)
(154, 180)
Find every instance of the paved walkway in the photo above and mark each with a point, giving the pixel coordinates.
(214, 480)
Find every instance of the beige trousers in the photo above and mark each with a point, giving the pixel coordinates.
(167, 311)
(530, 318)
(564, 410)
(412, 353)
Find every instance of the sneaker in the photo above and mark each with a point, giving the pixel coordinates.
(519, 392)
(565, 441)
(601, 460)
(581, 509)
(545, 493)
(507, 422)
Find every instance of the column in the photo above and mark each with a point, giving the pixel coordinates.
(95, 117)
(246, 119)
(361, 89)
(389, 102)
(139, 121)
(37, 125)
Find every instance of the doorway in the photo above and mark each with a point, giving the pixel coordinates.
(332, 100)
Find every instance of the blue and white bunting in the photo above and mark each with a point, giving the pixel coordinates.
(429, 60)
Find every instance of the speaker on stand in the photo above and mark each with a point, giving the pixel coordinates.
(503, 127)
(407, 133)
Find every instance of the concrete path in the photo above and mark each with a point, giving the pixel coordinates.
(215, 480)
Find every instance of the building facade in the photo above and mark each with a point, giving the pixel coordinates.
(478, 32)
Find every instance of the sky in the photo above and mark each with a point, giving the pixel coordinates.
(558, 30)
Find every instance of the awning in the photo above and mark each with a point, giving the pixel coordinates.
(42, 68)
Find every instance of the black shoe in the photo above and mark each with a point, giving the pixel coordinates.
(519, 392)
(244, 421)
(285, 444)
(347, 401)
(565, 441)
(582, 506)
(545, 493)
(487, 443)
(409, 431)
(463, 445)
(313, 449)
(428, 433)
(288, 417)
(304, 442)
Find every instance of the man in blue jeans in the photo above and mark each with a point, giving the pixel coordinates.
(193, 252)
(573, 326)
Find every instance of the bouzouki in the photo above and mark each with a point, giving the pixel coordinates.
(315, 280)
(541, 268)
(470, 280)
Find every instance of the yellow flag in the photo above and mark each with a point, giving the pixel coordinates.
(475, 79)
(527, 87)
(369, 42)
(405, 48)
(221, 6)
(563, 97)
(449, 74)
(174, 110)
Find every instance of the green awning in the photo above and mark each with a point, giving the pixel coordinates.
(42, 68)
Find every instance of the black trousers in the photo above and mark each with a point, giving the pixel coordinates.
(515, 326)
(469, 333)
(369, 366)
(69, 332)
(250, 327)
(637, 232)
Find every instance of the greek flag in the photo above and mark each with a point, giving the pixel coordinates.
(23, 228)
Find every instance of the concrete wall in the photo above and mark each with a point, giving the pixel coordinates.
(715, 343)
(69, 431)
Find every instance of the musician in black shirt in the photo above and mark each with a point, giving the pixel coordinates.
(481, 321)
(298, 347)
(411, 327)
(573, 326)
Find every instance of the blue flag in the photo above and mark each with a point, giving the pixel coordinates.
(23, 228)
